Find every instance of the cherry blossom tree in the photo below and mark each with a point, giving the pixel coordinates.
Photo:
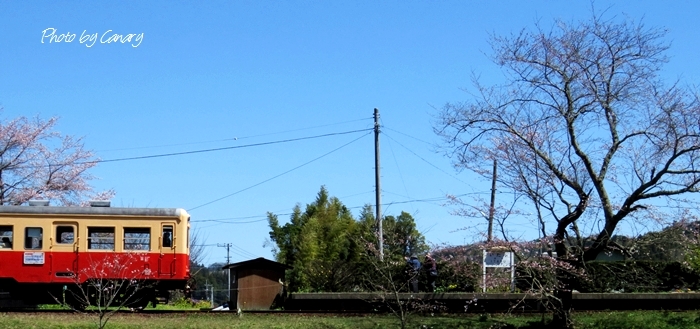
(585, 127)
(110, 284)
(387, 282)
(37, 162)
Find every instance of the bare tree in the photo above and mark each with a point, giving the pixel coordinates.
(388, 290)
(197, 247)
(38, 162)
(389, 284)
(110, 284)
(584, 126)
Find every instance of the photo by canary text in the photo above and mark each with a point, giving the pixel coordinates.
(52, 35)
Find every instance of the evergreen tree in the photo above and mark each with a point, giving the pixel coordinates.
(319, 244)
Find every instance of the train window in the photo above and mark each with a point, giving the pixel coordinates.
(137, 238)
(167, 236)
(6, 236)
(64, 234)
(101, 238)
(33, 237)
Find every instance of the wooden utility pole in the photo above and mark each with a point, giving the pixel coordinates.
(228, 261)
(378, 191)
(492, 209)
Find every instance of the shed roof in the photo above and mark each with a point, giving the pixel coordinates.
(258, 263)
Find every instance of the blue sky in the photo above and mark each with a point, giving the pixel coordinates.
(236, 73)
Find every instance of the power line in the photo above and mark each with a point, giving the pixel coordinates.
(225, 221)
(225, 148)
(196, 151)
(398, 168)
(237, 250)
(409, 136)
(426, 161)
(284, 173)
(241, 250)
(235, 138)
(264, 217)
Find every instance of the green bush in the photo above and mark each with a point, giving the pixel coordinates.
(186, 303)
(637, 276)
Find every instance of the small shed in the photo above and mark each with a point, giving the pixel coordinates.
(256, 284)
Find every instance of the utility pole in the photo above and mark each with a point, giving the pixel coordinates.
(378, 191)
(207, 287)
(492, 209)
(228, 261)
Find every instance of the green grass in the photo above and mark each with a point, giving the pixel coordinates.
(608, 320)
(178, 305)
(639, 320)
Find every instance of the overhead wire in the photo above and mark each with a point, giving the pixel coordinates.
(226, 148)
(409, 136)
(424, 160)
(225, 220)
(398, 169)
(236, 138)
(284, 173)
(236, 249)
(264, 217)
(241, 250)
(197, 151)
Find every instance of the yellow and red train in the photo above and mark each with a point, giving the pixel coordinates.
(46, 250)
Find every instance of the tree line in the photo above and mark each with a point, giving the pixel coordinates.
(329, 250)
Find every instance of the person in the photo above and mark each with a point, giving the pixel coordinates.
(413, 270)
(167, 240)
(431, 267)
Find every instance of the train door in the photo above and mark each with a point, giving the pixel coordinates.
(64, 250)
(168, 241)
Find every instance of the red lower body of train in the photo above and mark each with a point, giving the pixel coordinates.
(73, 278)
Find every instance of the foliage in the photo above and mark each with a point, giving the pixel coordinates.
(458, 268)
(401, 237)
(187, 303)
(460, 271)
(328, 248)
(674, 243)
(637, 276)
(585, 129)
(36, 162)
(318, 244)
(209, 277)
(693, 258)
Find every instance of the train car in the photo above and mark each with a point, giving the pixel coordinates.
(48, 254)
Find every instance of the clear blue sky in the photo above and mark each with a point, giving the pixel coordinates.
(235, 73)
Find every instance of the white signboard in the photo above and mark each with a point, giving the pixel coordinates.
(498, 259)
(34, 258)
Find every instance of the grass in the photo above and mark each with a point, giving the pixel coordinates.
(640, 319)
(178, 305)
(604, 320)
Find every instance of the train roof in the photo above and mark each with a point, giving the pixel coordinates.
(114, 211)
